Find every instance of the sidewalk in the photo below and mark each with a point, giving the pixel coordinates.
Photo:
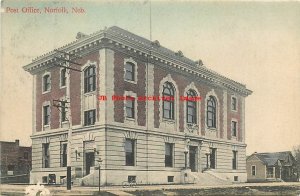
(8, 189)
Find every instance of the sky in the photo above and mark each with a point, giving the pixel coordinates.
(255, 43)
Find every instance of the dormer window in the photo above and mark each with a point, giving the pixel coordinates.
(46, 83)
(129, 71)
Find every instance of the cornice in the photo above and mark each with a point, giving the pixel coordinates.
(141, 47)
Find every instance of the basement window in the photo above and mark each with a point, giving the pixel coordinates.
(131, 179)
(236, 178)
(170, 178)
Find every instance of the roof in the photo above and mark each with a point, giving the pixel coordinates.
(271, 158)
(142, 46)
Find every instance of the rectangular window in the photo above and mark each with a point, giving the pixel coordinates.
(46, 155)
(234, 128)
(46, 114)
(130, 107)
(213, 158)
(170, 178)
(10, 169)
(168, 109)
(236, 178)
(46, 83)
(63, 154)
(129, 71)
(89, 117)
(63, 77)
(234, 159)
(233, 103)
(270, 172)
(168, 155)
(130, 152)
(253, 170)
(131, 179)
(45, 179)
(63, 111)
(25, 155)
(90, 79)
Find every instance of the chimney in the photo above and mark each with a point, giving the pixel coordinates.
(17, 142)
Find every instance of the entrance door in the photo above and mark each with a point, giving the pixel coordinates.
(89, 162)
(193, 159)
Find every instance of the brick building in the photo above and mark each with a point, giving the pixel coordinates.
(153, 141)
(15, 162)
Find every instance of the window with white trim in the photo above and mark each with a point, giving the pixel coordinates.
(63, 110)
(234, 128)
(130, 107)
(130, 152)
(63, 77)
(253, 170)
(89, 117)
(46, 83)
(234, 159)
(46, 155)
(168, 155)
(46, 115)
(129, 71)
(191, 108)
(63, 154)
(168, 101)
(233, 103)
(90, 79)
(211, 112)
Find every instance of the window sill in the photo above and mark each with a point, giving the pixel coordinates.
(130, 81)
(170, 121)
(93, 125)
(45, 92)
(234, 110)
(211, 129)
(130, 119)
(61, 87)
(89, 93)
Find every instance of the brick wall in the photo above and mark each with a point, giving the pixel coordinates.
(13, 154)
(57, 92)
(120, 86)
(236, 115)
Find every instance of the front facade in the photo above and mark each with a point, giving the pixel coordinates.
(277, 166)
(15, 162)
(119, 114)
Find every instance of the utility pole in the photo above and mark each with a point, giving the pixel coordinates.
(67, 60)
(68, 99)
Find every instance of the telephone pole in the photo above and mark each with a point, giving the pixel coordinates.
(67, 60)
(68, 99)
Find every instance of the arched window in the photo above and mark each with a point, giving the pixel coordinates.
(168, 101)
(90, 79)
(191, 107)
(129, 71)
(46, 83)
(211, 112)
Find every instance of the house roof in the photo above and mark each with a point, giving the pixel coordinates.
(271, 158)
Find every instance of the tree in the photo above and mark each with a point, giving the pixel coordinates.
(296, 153)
